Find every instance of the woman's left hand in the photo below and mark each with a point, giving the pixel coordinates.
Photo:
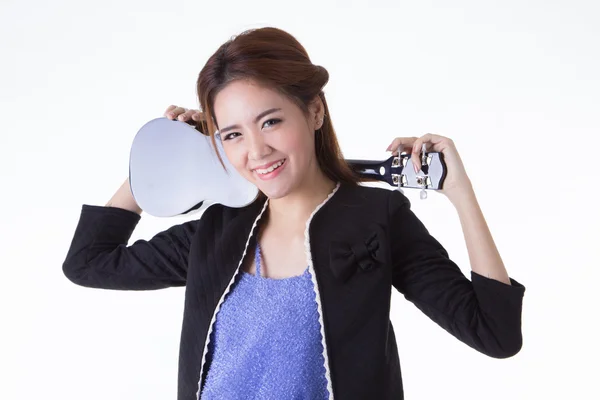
(456, 182)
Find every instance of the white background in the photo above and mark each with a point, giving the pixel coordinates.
(514, 83)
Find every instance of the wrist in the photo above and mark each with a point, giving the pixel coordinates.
(461, 195)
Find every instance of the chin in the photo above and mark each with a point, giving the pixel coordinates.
(274, 192)
(277, 188)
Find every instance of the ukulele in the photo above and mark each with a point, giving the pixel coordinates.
(173, 170)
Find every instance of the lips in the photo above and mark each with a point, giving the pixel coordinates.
(268, 168)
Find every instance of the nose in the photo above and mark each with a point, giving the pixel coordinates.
(258, 149)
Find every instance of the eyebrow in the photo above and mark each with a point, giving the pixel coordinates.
(258, 117)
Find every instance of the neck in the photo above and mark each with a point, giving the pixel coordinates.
(295, 208)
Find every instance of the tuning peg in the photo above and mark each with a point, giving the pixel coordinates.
(399, 150)
(423, 194)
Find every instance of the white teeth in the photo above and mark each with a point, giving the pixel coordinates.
(270, 169)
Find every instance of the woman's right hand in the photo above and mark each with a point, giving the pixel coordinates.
(183, 114)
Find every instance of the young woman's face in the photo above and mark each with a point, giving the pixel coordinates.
(267, 138)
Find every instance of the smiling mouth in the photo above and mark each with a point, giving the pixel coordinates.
(272, 168)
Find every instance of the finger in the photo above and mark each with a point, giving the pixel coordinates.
(402, 149)
(431, 142)
(403, 142)
(179, 112)
(184, 116)
(169, 109)
(169, 112)
(416, 150)
(197, 115)
(188, 115)
(434, 142)
(175, 112)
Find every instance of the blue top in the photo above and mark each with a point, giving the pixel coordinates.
(266, 341)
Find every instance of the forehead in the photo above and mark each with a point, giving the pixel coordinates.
(244, 100)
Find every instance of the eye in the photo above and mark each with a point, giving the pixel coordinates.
(230, 136)
(271, 122)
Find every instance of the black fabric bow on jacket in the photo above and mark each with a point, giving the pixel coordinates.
(347, 258)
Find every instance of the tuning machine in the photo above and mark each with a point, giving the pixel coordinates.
(399, 179)
(398, 161)
(423, 180)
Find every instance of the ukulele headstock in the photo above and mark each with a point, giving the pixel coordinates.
(398, 171)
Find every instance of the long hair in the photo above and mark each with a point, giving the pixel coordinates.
(275, 59)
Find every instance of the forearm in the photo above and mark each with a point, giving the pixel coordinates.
(123, 198)
(483, 254)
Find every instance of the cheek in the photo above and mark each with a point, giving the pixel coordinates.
(294, 141)
(302, 147)
(236, 157)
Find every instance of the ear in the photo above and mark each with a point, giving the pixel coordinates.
(316, 110)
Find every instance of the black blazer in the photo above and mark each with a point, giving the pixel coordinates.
(360, 242)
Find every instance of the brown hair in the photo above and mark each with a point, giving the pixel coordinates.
(275, 59)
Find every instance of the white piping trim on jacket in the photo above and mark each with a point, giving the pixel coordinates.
(212, 321)
(315, 286)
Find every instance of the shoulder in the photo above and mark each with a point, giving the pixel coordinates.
(359, 206)
(372, 196)
(218, 217)
(362, 192)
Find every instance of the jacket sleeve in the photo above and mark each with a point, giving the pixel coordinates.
(100, 257)
(482, 312)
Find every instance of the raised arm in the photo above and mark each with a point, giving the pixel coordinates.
(482, 312)
(100, 256)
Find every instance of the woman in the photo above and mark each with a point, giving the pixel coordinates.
(289, 297)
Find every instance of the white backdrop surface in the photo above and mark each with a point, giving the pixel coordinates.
(514, 83)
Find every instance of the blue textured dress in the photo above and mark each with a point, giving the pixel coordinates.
(266, 342)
